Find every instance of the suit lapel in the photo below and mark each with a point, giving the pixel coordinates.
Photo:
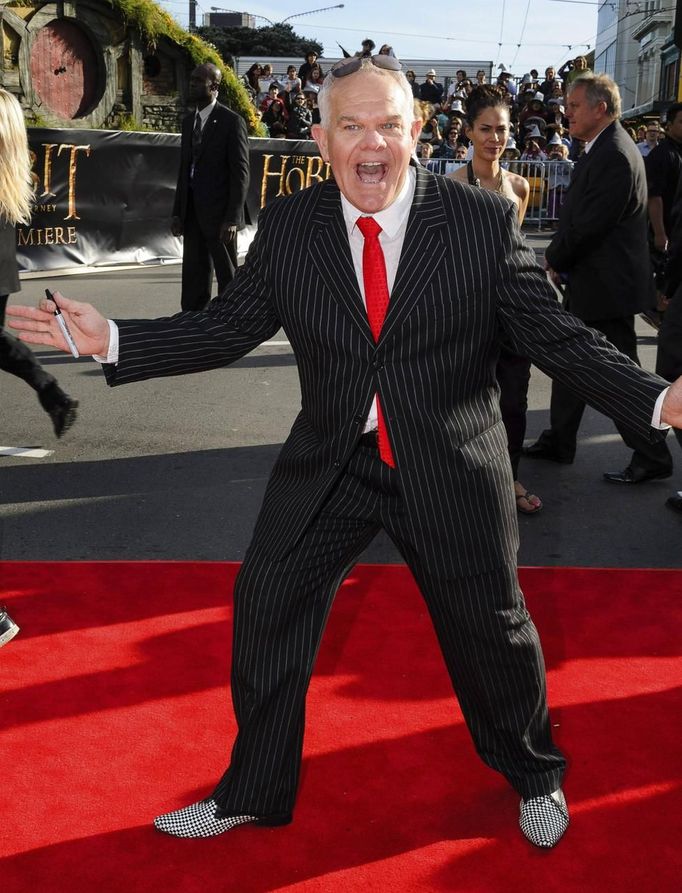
(331, 255)
(422, 253)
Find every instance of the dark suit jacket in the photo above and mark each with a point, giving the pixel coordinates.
(221, 173)
(9, 274)
(434, 363)
(601, 242)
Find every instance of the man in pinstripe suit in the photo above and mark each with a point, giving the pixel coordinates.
(433, 368)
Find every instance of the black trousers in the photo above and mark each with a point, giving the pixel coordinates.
(490, 645)
(17, 359)
(200, 256)
(566, 409)
(513, 376)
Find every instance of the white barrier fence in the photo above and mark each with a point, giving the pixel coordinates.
(548, 181)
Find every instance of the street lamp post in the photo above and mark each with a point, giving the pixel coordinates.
(310, 12)
(296, 15)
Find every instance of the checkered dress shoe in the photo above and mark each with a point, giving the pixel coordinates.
(544, 819)
(199, 820)
(8, 628)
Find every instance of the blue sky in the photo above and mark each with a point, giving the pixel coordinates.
(468, 29)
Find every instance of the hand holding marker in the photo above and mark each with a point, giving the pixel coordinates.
(63, 326)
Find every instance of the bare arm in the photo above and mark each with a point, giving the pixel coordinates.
(521, 189)
(655, 208)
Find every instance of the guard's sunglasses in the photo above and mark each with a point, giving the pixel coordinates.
(349, 66)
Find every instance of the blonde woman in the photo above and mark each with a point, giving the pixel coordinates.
(15, 207)
(487, 126)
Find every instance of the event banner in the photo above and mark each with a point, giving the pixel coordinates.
(105, 197)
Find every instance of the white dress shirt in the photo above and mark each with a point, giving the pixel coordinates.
(393, 223)
(204, 115)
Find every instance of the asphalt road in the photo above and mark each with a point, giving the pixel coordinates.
(176, 468)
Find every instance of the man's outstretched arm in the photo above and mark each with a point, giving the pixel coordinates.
(241, 318)
(38, 325)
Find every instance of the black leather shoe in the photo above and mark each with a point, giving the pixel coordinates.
(59, 406)
(675, 502)
(542, 450)
(635, 475)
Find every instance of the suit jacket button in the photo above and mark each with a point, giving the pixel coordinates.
(337, 464)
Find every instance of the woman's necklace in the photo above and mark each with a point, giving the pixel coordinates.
(476, 181)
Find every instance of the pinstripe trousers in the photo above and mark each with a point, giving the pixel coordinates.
(490, 645)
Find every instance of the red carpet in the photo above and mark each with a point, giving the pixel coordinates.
(114, 707)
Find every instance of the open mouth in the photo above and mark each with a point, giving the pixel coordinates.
(371, 171)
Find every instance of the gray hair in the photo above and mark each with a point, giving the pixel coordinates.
(600, 88)
(367, 66)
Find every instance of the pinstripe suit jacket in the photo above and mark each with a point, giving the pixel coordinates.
(459, 287)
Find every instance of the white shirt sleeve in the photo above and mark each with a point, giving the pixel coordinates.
(112, 354)
(656, 418)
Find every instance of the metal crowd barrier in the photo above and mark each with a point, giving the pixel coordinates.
(548, 181)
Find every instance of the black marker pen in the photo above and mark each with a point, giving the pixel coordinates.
(63, 326)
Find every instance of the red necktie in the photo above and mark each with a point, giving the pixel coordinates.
(376, 298)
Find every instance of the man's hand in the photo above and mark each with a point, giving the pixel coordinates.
(671, 410)
(553, 275)
(228, 232)
(661, 242)
(90, 330)
(176, 226)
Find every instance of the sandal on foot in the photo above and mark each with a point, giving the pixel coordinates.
(533, 501)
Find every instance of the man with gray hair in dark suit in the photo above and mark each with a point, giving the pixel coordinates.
(399, 429)
(601, 249)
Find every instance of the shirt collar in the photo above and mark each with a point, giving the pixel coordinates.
(392, 218)
(207, 111)
(594, 139)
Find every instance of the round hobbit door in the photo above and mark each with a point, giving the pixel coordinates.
(64, 69)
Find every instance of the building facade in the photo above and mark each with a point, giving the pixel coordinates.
(635, 47)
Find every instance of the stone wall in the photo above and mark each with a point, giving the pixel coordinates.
(133, 84)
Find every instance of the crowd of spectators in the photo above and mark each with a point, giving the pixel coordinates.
(287, 104)
(539, 128)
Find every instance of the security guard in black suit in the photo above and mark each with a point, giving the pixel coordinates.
(211, 191)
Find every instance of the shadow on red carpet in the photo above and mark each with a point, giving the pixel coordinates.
(115, 707)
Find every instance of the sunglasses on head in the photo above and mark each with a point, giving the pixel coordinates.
(349, 66)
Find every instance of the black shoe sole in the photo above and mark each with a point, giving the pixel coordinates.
(273, 821)
(661, 476)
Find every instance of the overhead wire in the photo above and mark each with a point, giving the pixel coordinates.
(523, 31)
